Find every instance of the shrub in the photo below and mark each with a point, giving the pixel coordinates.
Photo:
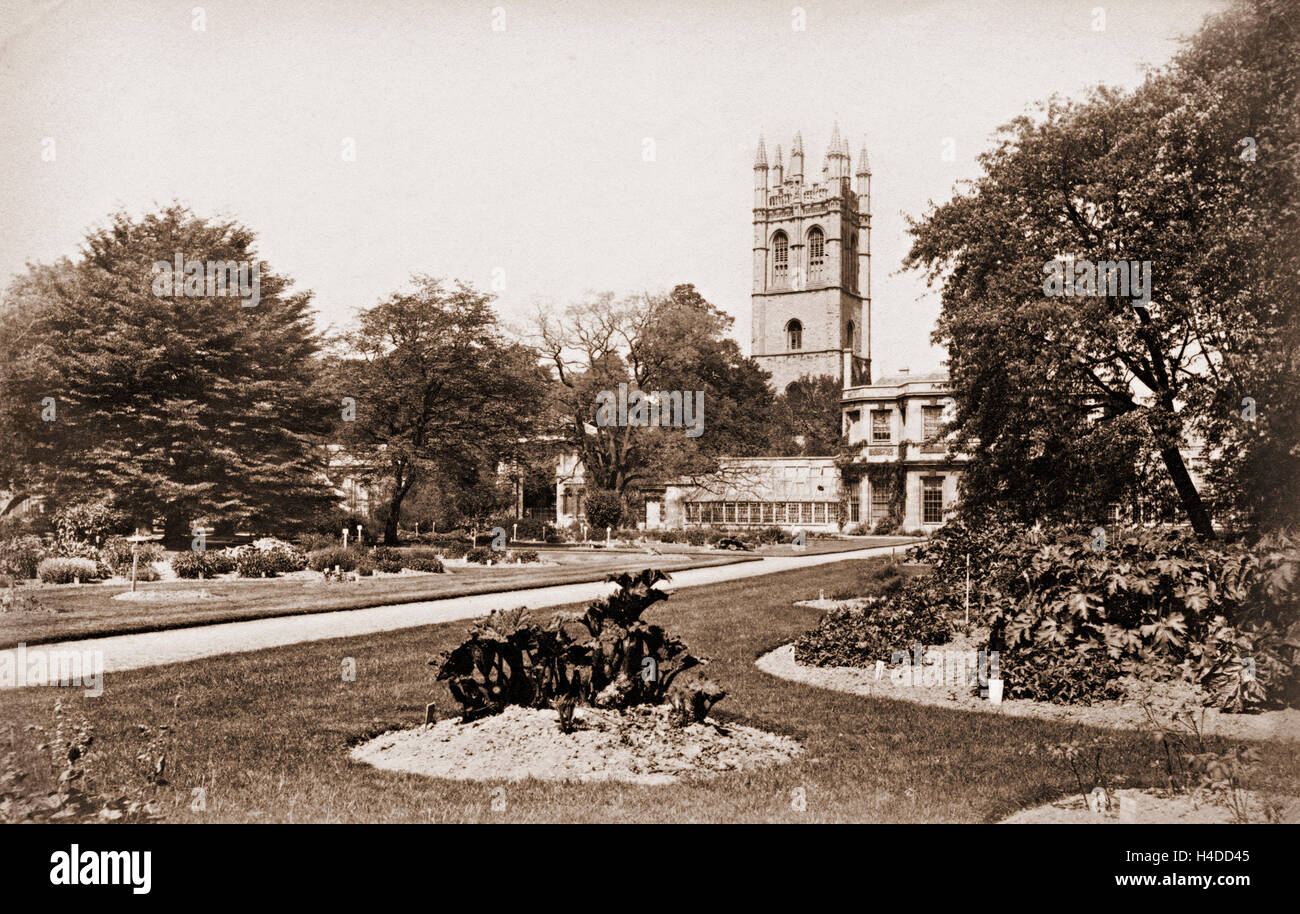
(1062, 612)
(20, 555)
(697, 536)
(525, 556)
(66, 570)
(365, 567)
(454, 549)
(386, 559)
(287, 558)
(479, 555)
(770, 536)
(91, 523)
(885, 527)
(888, 625)
(221, 561)
(191, 564)
(425, 563)
(1252, 658)
(327, 559)
(116, 555)
(268, 563)
(620, 662)
(604, 509)
(312, 542)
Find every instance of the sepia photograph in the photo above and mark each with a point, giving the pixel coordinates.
(644, 412)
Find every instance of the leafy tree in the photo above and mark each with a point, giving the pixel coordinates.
(440, 395)
(604, 509)
(675, 343)
(1155, 175)
(184, 407)
(805, 420)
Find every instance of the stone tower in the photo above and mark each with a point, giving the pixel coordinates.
(812, 266)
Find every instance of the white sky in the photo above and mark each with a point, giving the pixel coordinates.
(521, 150)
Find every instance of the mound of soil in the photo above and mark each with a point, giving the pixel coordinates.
(1153, 807)
(641, 746)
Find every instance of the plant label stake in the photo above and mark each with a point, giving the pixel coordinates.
(968, 590)
(345, 537)
(135, 542)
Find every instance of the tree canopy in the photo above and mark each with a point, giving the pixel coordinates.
(437, 394)
(1193, 173)
(188, 403)
(675, 344)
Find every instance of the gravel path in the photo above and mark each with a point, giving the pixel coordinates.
(129, 652)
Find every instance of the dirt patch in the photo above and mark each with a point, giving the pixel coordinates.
(1157, 807)
(641, 746)
(915, 684)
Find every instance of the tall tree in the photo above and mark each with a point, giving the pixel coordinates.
(439, 394)
(187, 400)
(676, 344)
(1159, 176)
(806, 418)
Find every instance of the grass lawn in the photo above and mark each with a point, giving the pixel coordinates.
(90, 610)
(266, 734)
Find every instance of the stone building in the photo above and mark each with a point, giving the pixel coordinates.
(811, 303)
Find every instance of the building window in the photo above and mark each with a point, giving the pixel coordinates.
(932, 500)
(931, 422)
(794, 335)
(881, 426)
(879, 503)
(780, 254)
(850, 338)
(854, 509)
(816, 251)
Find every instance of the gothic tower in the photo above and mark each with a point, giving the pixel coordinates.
(812, 266)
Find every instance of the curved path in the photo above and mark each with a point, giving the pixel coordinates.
(129, 652)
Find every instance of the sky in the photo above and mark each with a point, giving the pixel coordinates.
(542, 151)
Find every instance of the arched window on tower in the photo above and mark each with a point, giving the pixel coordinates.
(816, 252)
(780, 258)
(794, 335)
(850, 336)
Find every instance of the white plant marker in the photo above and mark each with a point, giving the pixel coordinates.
(995, 691)
(1097, 800)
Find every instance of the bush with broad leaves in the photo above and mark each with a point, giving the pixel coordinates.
(619, 660)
